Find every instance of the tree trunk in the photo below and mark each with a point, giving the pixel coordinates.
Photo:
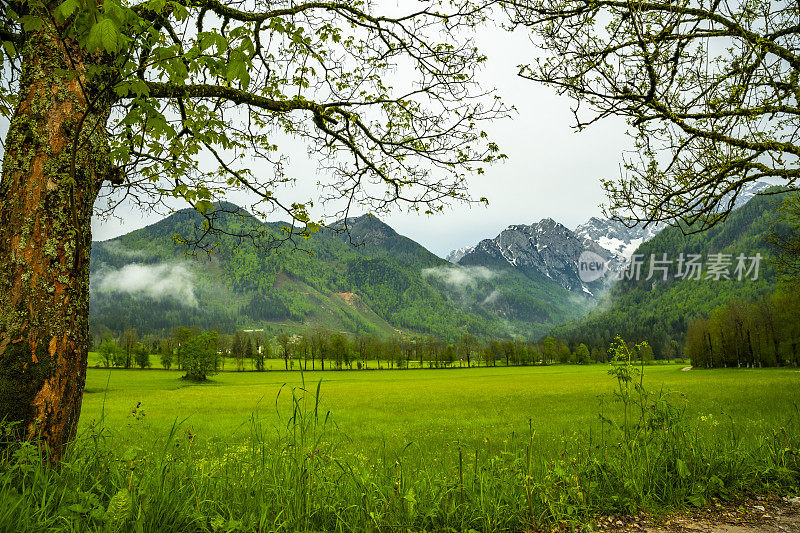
(46, 199)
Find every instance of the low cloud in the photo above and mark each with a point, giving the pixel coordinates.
(492, 298)
(459, 276)
(168, 280)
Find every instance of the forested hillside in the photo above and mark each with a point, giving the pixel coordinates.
(367, 280)
(660, 310)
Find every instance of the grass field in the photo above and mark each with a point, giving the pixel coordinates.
(437, 408)
(486, 449)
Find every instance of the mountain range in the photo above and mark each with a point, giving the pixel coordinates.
(552, 249)
(521, 283)
(385, 284)
(658, 306)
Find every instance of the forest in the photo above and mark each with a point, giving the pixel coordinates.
(764, 332)
(660, 311)
(398, 285)
(320, 349)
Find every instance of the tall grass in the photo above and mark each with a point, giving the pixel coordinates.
(297, 476)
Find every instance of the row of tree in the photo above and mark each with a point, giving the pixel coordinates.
(320, 349)
(765, 332)
(190, 349)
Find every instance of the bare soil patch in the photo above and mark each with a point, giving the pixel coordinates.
(346, 296)
(753, 514)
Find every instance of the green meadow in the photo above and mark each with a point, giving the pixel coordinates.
(462, 450)
(435, 408)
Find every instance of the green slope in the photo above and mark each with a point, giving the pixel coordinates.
(370, 280)
(660, 311)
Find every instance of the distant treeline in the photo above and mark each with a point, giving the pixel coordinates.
(765, 332)
(320, 349)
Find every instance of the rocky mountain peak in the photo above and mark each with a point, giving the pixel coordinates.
(551, 249)
(544, 248)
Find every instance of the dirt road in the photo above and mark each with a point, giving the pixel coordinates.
(753, 515)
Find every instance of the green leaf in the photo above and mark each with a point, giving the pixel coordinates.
(31, 23)
(67, 8)
(204, 206)
(9, 48)
(698, 500)
(683, 472)
(104, 35)
(119, 508)
(156, 5)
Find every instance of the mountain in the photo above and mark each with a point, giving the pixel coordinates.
(456, 255)
(749, 191)
(623, 240)
(659, 309)
(615, 236)
(368, 279)
(549, 248)
(543, 250)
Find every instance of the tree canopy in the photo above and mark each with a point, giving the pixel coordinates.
(710, 91)
(203, 93)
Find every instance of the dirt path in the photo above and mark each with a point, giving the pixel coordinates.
(752, 515)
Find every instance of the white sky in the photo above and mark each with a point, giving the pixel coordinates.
(551, 170)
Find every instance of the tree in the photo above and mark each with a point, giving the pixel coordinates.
(248, 354)
(118, 357)
(708, 90)
(166, 351)
(285, 343)
(408, 350)
(582, 355)
(394, 352)
(490, 353)
(319, 342)
(130, 339)
(141, 355)
(151, 101)
(199, 356)
(507, 350)
(107, 350)
(564, 355)
(301, 349)
(237, 345)
(262, 351)
(339, 349)
(180, 336)
(465, 346)
(363, 343)
(549, 349)
(448, 355)
(520, 353)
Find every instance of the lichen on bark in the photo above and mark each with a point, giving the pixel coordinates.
(46, 200)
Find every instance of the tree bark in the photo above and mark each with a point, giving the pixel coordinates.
(56, 156)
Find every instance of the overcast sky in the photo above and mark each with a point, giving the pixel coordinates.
(551, 170)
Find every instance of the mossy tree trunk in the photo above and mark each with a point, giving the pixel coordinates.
(54, 163)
